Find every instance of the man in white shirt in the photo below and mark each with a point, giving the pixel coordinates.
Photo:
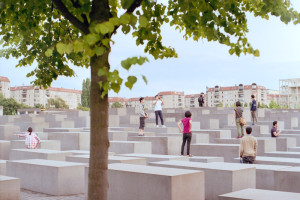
(157, 109)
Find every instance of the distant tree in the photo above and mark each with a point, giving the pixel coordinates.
(220, 104)
(39, 105)
(258, 105)
(80, 107)
(285, 107)
(117, 105)
(57, 103)
(250, 104)
(10, 106)
(85, 95)
(245, 104)
(274, 105)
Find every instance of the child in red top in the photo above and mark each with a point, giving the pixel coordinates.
(187, 132)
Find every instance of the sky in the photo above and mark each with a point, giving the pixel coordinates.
(199, 64)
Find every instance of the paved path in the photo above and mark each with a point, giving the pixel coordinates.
(29, 195)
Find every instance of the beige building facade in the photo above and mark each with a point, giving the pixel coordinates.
(191, 100)
(5, 87)
(32, 96)
(228, 96)
(173, 99)
(289, 93)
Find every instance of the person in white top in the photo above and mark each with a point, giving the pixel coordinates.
(157, 109)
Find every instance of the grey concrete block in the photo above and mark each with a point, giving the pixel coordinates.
(160, 144)
(220, 178)
(156, 157)
(111, 159)
(2, 167)
(283, 154)
(148, 183)
(71, 140)
(121, 147)
(265, 144)
(257, 194)
(7, 131)
(23, 154)
(4, 149)
(277, 161)
(48, 176)
(45, 144)
(62, 129)
(206, 159)
(228, 151)
(117, 135)
(283, 143)
(287, 179)
(265, 175)
(9, 188)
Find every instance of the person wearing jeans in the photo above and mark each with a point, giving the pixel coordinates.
(157, 109)
(187, 132)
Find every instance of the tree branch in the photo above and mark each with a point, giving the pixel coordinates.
(130, 10)
(76, 22)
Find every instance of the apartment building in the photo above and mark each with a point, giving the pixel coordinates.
(122, 101)
(289, 93)
(134, 102)
(191, 100)
(173, 99)
(228, 96)
(31, 95)
(5, 87)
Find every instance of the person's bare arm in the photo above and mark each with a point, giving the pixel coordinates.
(179, 126)
(190, 126)
(162, 103)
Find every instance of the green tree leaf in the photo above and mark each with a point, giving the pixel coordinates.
(49, 52)
(131, 80)
(60, 48)
(125, 19)
(126, 3)
(145, 79)
(143, 21)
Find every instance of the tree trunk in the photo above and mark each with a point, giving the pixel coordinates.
(99, 144)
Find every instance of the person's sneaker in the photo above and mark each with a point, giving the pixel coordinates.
(157, 126)
(164, 126)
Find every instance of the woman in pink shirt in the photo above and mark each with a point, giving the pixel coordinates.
(187, 132)
(31, 139)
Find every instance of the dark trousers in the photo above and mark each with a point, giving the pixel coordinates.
(248, 159)
(159, 113)
(186, 137)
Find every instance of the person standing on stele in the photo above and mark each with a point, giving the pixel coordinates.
(201, 100)
(187, 132)
(142, 115)
(253, 109)
(158, 111)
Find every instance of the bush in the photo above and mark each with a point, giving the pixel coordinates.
(116, 105)
(10, 106)
(80, 107)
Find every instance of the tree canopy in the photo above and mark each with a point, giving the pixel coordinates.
(59, 32)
